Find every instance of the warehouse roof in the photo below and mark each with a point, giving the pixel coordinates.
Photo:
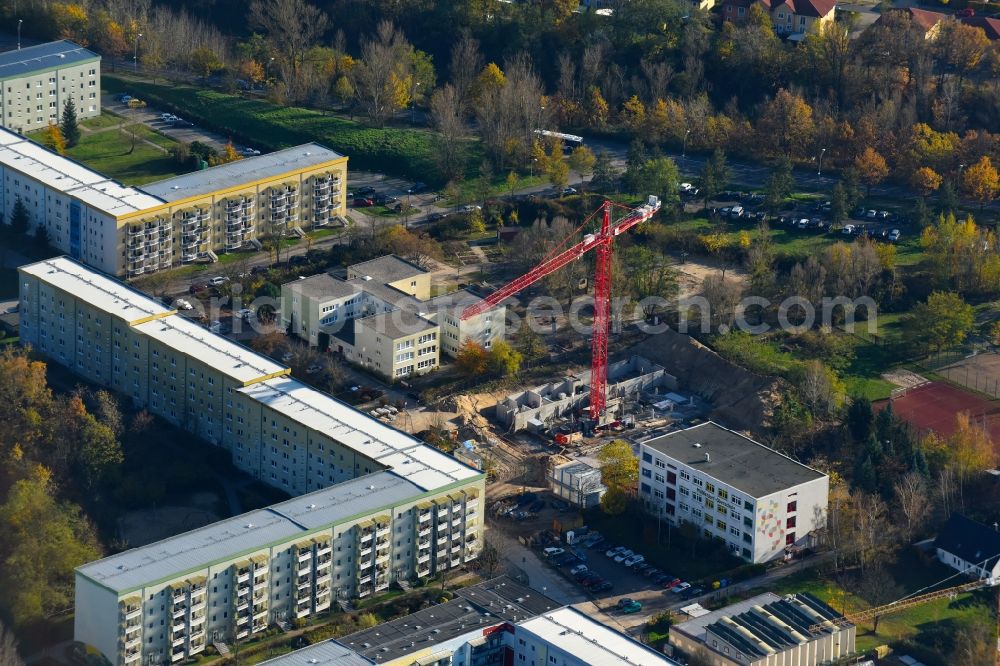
(240, 536)
(733, 459)
(241, 364)
(473, 609)
(766, 624)
(111, 296)
(590, 641)
(52, 55)
(407, 456)
(65, 175)
(241, 172)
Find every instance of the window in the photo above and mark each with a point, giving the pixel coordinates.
(646, 488)
(709, 487)
(658, 477)
(647, 458)
(790, 523)
(671, 477)
(685, 476)
(792, 506)
(709, 504)
(723, 494)
(647, 473)
(658, 494)
(790, 539)
(661, 464)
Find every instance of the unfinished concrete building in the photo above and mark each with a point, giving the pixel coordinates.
(628, 379)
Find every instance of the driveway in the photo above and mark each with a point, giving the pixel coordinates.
(151, 116)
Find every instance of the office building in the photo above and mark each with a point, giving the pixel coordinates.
(373, 504)
(129, 231)
(37, 81)
(761, 503)
(382, 318)
(494, 622)
(768, 630)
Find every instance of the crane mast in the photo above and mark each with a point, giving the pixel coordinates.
(602, 243)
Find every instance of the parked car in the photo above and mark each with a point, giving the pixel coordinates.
(182, 304)
(658, 579)
(363, 202)
(634, 560)
(671, 584)
(603, 586)
(870, 214)
(552, 551)
(629, 606)
(218, 281)
(736, 211)
(197, 288)
(383, 199)
(624, 555)
(468, 208)
(967, 12)
(124, 99)
(692, 592)
(313, 369)
(434, 217)
(848, 229)
(611, 552)
(580, 568)
(643, 568)
(249, 152)
(245, 314)
(679, 589)
(416, 188)
(568, 191)
(894, 235)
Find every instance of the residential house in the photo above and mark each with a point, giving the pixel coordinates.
(970, 547)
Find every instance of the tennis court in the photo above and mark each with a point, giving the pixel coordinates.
(934, 405)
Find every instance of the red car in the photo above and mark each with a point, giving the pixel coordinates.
(968, 12)
(363, 202)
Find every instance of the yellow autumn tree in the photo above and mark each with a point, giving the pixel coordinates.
(597, 107)
(633, 113)
(70, 20)
(925, 180)
(981, 181)
(53, 139)
(871, 167)
(252, 72)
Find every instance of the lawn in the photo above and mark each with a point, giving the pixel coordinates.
(110, 153)
(106, 119)
(398, 151)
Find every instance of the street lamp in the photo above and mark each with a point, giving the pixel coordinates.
(684, 145)
(267, 70)
(135, 54)
(19, 22)
(819, 166)
(413, 101)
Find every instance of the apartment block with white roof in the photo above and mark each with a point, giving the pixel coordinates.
(373, 504)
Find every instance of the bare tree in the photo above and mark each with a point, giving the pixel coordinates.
(8, 648)
(872, 531)
(466, 62)
(492, 559)
(509, 115)
(658, 76)
(974, 646)
(723, 296)
(380, 73)
(912, 494)
(294, 26)
(446, 117)
(878, 588)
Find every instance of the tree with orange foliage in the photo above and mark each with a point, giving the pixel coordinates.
(472, 358)
(52, 138)
(71, 21)
(871, 167)
(926, 180)
(252, 72)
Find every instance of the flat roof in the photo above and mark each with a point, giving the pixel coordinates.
(65, 175)
(323, 286)
(387, 268)
(327, 653)
(590, 641)
(391, 295)
(108, 294)
(406, 455)
(473, 609)
(241, 172)
(41, 57)
(232, 359)
(231, 538)
(734, 459)
(396, 324)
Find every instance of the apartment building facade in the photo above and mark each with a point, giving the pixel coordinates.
(36, 82)
(128, 231)
(374, 505)
(761, 503)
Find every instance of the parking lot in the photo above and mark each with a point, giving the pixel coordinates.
(748, 208)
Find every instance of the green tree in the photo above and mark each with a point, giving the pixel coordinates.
(605, 173)
(531, 345)
(19, 217)
(619, 467)
(779, 186)
(582, 160)
(943, 321)
(715, 176)
(205, 61)
(839, 210)
(44, 540)
(860, 419)
(70, 128)
(504, 359)
(659, 176)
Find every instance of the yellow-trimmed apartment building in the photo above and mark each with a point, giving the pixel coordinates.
(128, 231)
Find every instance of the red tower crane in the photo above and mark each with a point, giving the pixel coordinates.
(601, 242)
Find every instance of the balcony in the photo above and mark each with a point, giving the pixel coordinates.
(442, 514)
(383, 531)
(178, 641)
(242, 633)
(424, 532)
(365, 579)
(133, 642)
(305, 556)
(243, 605)
(456, 521)
(259, 613)
(259, 585)
(195, 607)
(323, 578)
(365, 552)
(382, 586)
(366, 536)
(197, 622)
(242, 618)
(304, 584)
(132, 656)
(424, 517)
(177, 655)
(178, 627)
(424, 558)
(322, 605)
(179, 611)
(442, 539)
(132, 613)
(322, 551)
(179, 596)
(305, 569)
(196, 648)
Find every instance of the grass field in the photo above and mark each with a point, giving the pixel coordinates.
(397, 151)
(110, 152)
(106, 119)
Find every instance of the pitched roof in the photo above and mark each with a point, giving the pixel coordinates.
(969, 540)
(990, 25)
(814, 8)
(921, 18)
